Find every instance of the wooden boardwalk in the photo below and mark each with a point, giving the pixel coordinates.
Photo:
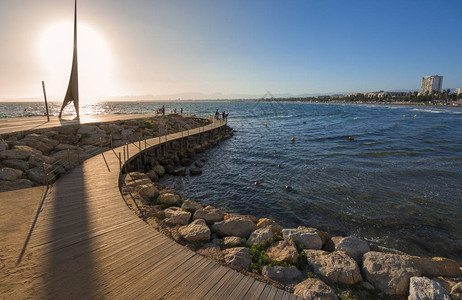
(87, 244)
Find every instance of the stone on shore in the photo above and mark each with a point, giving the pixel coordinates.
(238, 257)
(197, 231)
(36, 175)
(314, 289)
(286, 275)
(390, 273)
(3, 146)
(16, 164)
(353, 246)
(232, 241)
(234, 227)
(264, 235)
(6, 186)
(179, 172)
(148, 192)
(283, 251)
(174, 215)
(153, 176)
(15, 154)
(308, 239)
(159, 169)
(437, 266)
(169, 199)
(248, 217)
(456, 291)
(422, 288)
(265, 222)
(10, 174)
(198, 164)
(190, 205)
(195, 171)
(325, 236)
(335, 267)
(209, 214)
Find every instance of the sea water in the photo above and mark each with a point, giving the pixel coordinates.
(397, 184)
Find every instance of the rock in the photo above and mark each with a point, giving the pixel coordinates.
(264, 235)
(437, 266)
(169, 169)
(36, 175)
(61, 147)
(10, 174)
(166, 162)
(422, 288)
(174, 215)
(283, 251)
(16, 164)
(169, 199)
(153, 176)
(190, 205)
(285, 275)
(209, 214)
(195, 171)
(15, 154)
(366, 285)
(314, 289)
(179, 172)
(88, 129)
(156, 211)
(160, 170)
(49, 141)
(210, 245)
(197, 231)
(456, 291)
(44, 148)
(390, 273)
(132, 179)
(353, 246)
(335, 267)
(306, 238)
(248, 217)
(37, 160)
(265, 222)
(234, 227)
(198, 164)
(217, 242)
(322, 234)
(3, 146)
(238, 257)
(232, 241)
(6, 186)
(185, 162)
(148, 192)
(446, 283)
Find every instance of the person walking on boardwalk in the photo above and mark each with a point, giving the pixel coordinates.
(163, 110)
(217, 115)
(223, 115)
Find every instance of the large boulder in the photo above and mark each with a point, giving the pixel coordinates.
(6, 186)
(265, 222)
(3, 146)
(422, 288)
(234, 227)
(197, 231)
(10, 174)
(248, 217)
(437, 266)
(16, 164)
(37, 160)
(37, 175)
(353, 246)
(283, 251)
(209, 214)
(148, 192)
(62, 147)
(286, 275)
(231, 241)
(169, 199)
(159, 169)
(191, 205)
(15, 154)
(325, 236)
(308, 239)
(39, 145)
(179, 172)
(174, 215)
(314, 289)
(456, 291)
(336, 267)
(264, 235)
(153, 176)
(238, 257)
(390, 273)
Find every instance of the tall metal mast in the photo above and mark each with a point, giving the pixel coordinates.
(72, 94)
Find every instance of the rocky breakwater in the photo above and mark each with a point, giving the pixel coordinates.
(25, 155)
(303, 260)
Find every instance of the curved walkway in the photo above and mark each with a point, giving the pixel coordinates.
(88, 244)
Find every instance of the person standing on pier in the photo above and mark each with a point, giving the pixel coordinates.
(217, 115)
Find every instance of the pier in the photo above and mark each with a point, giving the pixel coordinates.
(83, 242)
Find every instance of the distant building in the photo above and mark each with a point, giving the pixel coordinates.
(431, 83)
(382, 94)
(458, 91)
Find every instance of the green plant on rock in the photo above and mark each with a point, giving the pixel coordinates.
(261, 259)
(147, 124)
(311, 275)
(277, 237)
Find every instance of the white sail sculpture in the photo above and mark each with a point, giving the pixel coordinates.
(72, 94)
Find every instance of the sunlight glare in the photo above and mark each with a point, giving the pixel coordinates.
(94, 60)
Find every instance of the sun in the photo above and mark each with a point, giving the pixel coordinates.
(94, 60)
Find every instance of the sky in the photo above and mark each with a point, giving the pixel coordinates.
(147, 47)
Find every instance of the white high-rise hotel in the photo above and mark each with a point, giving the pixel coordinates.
(431, 83)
